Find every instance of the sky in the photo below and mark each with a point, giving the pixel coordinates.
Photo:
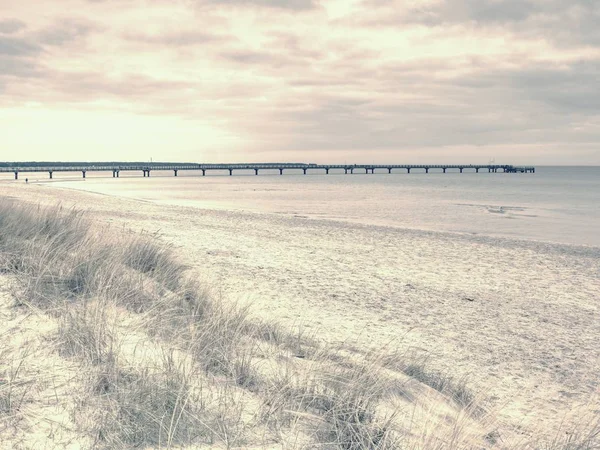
(323, 81)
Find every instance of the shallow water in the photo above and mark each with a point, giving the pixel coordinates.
(557, 204)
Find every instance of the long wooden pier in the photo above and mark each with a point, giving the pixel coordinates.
(147, 168)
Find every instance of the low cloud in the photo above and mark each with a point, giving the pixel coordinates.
(176, 39)
(566, 90)
(277, 4)
(64, 32)
(13, 46)
(18, 67)
(10, 26)
(564, 23)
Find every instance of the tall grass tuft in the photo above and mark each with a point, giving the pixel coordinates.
(14, 389)
(342, 400)
(456, 389)
(142, 254)
(86, 332)
(130, 407)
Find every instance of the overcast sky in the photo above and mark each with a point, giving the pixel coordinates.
(301, 80)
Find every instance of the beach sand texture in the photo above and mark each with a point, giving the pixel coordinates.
(519, 319)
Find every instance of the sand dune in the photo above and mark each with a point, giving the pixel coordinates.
(518, 318)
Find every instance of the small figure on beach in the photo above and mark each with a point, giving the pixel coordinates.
(26, 180)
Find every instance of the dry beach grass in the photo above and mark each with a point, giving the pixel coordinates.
(113, 343)
(161, 362)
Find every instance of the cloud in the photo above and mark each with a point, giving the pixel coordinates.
(297, 5)
(481, 11)
(437, 12)
(65, 31)
(10, 26)
(499, 11)
(265, 61)
(17, 46)
(421, 104)
(566, 90)
(176, 39)
(130, 91)
(573, 90)
(565, 23)
(17, 67)
(336, 126)
(277, 4)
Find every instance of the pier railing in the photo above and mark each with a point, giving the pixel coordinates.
(146, 168)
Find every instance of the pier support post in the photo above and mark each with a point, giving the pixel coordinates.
(444, 169)
(461, 169)
(304, 171)
(408, 170)
(389, 170)
(255, 171)
(346, 171)
(476, 169)
(326, 170)
(16, 175)
(117, 174)
(351, 171)
(83, 173)
(50, 175)
(203, 172)
(230, 172)
(175, 172)
(426, 169)
(280, 171)
(148, 173)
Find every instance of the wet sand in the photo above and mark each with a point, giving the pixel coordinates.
(519, 319)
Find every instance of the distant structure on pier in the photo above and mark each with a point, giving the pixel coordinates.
(146, 168)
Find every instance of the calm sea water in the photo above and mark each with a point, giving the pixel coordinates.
(556, 204)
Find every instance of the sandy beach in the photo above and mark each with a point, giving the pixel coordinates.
(518, 319)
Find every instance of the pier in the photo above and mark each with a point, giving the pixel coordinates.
(146, 168)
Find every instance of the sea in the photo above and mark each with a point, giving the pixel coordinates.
(555, 204)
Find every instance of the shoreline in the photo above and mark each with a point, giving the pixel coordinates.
(500, 315)
(513, 241)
